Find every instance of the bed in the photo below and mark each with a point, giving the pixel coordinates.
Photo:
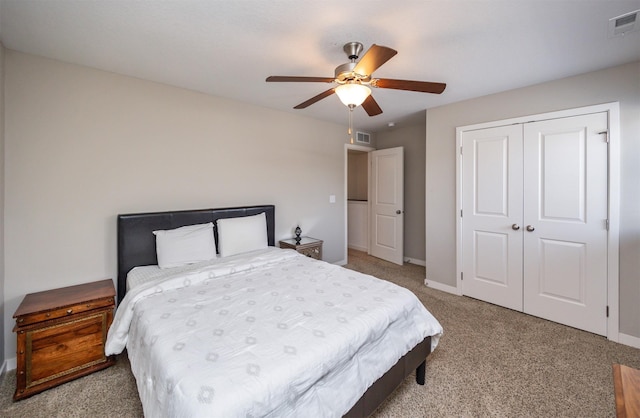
(274, 333)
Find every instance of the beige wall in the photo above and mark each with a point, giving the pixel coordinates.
(84, 145)
(2, 304)
(412, 139)
(620, 84)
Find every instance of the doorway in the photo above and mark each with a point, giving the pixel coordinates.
(374, 189)
(357, 198)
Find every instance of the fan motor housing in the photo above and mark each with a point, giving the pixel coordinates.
(344, 73)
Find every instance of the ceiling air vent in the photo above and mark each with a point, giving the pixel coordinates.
(621, 25)
(363, 138)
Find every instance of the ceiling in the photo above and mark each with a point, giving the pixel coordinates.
(228, 47)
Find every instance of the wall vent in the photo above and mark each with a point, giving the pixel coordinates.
(363, 138)
(621, 25)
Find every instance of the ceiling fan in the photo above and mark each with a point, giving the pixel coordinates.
(354, 79)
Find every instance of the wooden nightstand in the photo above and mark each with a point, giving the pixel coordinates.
(61, 335)
(308, 246)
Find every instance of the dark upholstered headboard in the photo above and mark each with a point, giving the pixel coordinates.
(137, 244)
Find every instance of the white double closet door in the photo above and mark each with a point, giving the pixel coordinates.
(534, 218)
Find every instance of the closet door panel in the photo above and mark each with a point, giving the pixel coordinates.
(492, 214)
(565, 210)
(562, 170)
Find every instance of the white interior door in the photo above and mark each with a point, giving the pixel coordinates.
(534, 221)
(387, 204)
(492, 215)
(565, 212)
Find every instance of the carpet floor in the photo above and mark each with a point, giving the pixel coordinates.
(491, 362)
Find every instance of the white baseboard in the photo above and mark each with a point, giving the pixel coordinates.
(629, 340)
(340, 262)
(9, 364)
(415, 261)
(440, 286)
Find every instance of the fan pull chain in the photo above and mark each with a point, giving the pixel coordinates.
(350, 131)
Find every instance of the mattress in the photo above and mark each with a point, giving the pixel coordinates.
(268, 333)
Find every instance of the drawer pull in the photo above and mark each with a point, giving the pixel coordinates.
(20, 320)
(69, 311)
(48, 315)
(88, 305)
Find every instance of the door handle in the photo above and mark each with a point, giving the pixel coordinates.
(530, 228)
(398, 212)
(515, 227)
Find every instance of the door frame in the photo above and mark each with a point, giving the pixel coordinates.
(366, 149)
(613, 207)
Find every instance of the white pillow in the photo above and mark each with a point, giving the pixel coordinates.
(239, 235)
(185, 245)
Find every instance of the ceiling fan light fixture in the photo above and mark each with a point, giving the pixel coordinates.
(354, 79)
(352, 94)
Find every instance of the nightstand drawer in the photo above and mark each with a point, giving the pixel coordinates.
(313, 252)
(311, 247)
(63, 311)
(64, 348)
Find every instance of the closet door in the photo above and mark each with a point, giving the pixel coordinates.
(492, 215)
(534, 224)
(565, 213)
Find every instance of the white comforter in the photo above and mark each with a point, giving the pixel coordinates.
(272, 333)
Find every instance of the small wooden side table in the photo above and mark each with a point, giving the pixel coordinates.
(61, 335)
(626, 382)
(311, 247)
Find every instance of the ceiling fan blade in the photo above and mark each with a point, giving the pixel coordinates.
(420, 86)
(315, 99)
(373, 59)
(371, 106)
(279, 78)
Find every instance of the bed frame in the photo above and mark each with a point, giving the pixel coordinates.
(137, 247)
